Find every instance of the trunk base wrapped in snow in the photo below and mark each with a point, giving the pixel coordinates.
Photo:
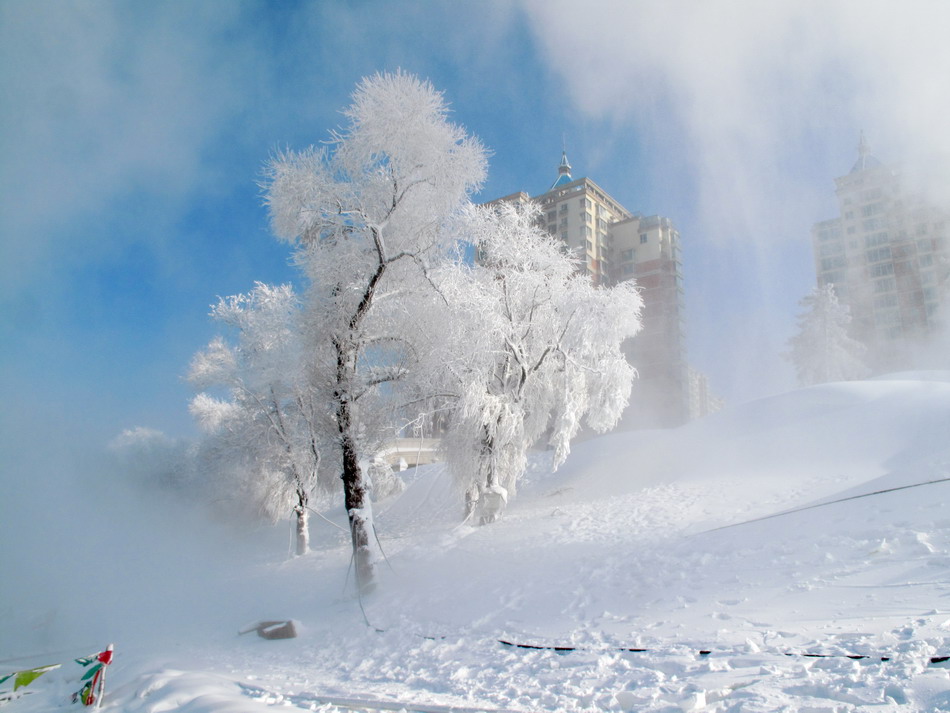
(492, 503)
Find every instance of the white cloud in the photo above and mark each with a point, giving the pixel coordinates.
(749, 110)
(763, 98)
(103, 101)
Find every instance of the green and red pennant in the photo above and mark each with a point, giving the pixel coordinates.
(93, 679)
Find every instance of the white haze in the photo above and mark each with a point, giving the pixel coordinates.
(761, 104)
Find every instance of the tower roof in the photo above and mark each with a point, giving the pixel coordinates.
(563, 172)
(866, 159)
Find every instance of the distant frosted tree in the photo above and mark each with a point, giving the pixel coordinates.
(367, 215)
(822, 351)
(532, 350)
(263, 434)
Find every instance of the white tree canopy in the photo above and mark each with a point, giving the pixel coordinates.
(532, 348)
(263, 433)
(368, 216)
(822, 351)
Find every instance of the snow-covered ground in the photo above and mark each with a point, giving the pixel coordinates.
(679, 544)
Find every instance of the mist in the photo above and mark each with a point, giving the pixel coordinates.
(759, 106)
(94, 554)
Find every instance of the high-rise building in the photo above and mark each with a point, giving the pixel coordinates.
(887, 256)
(616, 244)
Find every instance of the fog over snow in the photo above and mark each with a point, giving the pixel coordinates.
(677, 543)
(132, 138)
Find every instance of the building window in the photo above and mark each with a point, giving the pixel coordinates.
(888, 317)
(627, 254)
(627, 269)
(876, 239)
(878, 254)
(830, 249)
(590, 246)
(886, 300)
(882, 269)
(885, 285)
(833, 263)
(643, 238)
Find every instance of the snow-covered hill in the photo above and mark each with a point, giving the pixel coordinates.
(700, 548)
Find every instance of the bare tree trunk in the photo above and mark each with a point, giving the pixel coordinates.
(359, 510)
(493, 497)
(487, 458)
(303, 525)
(355, 496)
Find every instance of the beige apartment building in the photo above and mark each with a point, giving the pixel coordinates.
(616, 244)
(887, 256)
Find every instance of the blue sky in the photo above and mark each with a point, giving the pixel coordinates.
(133, 136)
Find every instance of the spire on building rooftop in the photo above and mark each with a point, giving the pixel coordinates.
(563, 172)
(866, 159)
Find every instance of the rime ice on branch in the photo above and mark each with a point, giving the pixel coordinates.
(532, 349)
(264, 439)
(367, 215)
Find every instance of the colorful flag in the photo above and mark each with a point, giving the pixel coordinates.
(25, 678)
(94, 678)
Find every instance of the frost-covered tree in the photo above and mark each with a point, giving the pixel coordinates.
(263, 432)
(822, 351)
(367, 215)
(533, 350)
